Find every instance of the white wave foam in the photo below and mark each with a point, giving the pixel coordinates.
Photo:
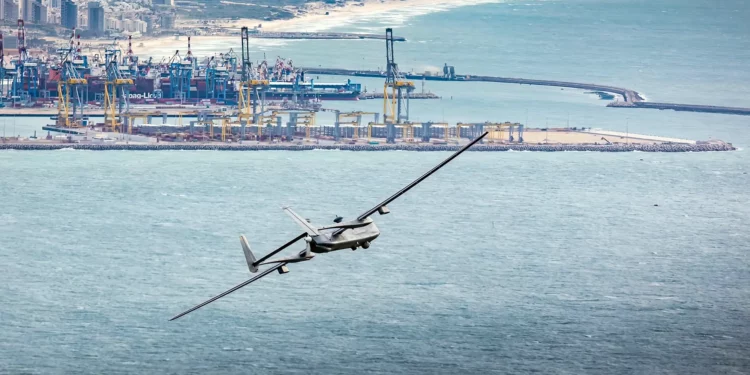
(394, 13)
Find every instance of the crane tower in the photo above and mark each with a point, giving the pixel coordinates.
(395, 103)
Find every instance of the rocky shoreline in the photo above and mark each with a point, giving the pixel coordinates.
(397, 147)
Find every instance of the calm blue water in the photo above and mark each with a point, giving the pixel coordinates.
(502, 263)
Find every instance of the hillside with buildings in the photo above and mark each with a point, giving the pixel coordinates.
(122, 18)
(92, 19)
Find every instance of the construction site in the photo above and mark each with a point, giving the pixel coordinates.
(118, 98)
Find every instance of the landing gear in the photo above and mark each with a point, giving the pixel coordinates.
(366, 245)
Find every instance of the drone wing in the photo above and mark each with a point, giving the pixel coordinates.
(303, 223)
(381, 206)
(264, 273)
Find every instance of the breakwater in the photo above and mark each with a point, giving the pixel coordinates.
(628, 95)
(319, 35)
(417, 95)
(630, 98)
(687, 108)
(673, 147)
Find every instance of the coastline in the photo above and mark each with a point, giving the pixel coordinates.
(309, 18)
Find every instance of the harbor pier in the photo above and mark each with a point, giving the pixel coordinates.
(629, 98)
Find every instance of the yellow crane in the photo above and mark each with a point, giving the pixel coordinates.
(497, 130)
(393, 104)
(355, 120)
(70, 89)
(64, 106)
(251, 92)
(407, 132)
(372, 125)
(446, 129)
(115, 92)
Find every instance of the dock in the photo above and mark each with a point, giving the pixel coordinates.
(29, 146)
(413, 95)
(147, 137)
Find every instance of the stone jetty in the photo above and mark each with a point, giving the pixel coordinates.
(665, 147)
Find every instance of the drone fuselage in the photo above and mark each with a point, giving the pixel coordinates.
(351, 238)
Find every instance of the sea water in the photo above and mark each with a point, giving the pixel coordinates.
(516, 262)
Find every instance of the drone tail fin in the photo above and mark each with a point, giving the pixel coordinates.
(249, 257)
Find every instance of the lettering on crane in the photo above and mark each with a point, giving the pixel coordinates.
(148, 95)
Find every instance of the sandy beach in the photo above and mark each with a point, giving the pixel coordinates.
(311, 18)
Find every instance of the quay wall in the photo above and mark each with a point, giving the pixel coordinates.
(347, 147)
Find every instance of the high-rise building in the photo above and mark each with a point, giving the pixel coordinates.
(69, 14)
(10, 10)
(38, 13)
(26, 11)
(96, 18)
(167, 21)
(33, 11)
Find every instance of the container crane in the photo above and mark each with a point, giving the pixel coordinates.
(116, 90)
(252, 88)
(230, 60)
(398, 100)
(181, 73)
(26, 80)
(2, 68)
(217, 77)
(71, 89)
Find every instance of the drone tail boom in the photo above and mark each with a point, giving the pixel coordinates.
(249, 256)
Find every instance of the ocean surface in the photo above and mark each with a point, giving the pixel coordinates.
(516, 262)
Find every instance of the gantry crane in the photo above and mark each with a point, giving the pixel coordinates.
(350, 119)
(497, 131)
(26, 80)
(217, 77)
(296, 118)
(395, 103)
(2, 67)
(180, 76)
(460, 126)
(252, 88)
(441, 125)
(116, 90)
(71, 89)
